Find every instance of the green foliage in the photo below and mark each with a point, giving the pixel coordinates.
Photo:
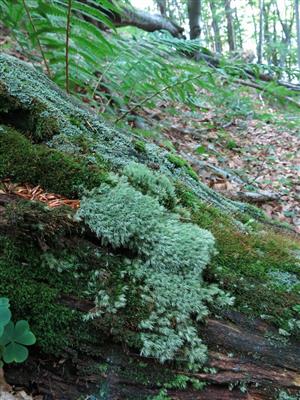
(46, 25)
(103, 210)
(182, 381)
(39, 298)
(172, 256)
(140, 146)
(162, 395)
(126, 63)
(5, 314)
(13, 337)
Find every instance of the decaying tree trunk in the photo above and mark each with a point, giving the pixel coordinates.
(47, 139)
(241, 358)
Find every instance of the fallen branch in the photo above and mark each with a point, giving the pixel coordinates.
(150, 97)
(148, 22)
(265, 89)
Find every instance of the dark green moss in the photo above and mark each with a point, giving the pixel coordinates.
(244, 260)
(191, 172)
(140, 146)
(37, 291)
(55, 171)
(176, 160)
(181, 163)
(145, 373)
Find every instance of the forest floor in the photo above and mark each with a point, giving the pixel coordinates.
(240, 157)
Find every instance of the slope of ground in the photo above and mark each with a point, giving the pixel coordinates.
(253, 157)
(48, 140)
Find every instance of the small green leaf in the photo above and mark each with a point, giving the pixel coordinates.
(7, 334)
(14, 340)
(15, 352)
(22, 334)
(201, 150)
(5, 313)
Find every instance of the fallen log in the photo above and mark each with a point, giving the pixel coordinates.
(240, 355)
(52, 267)
(126, 15)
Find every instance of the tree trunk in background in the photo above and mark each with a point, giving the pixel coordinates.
(238, 30)
(215, 26)
(298, 30)
(267, 33)
(162, 6)
(230, 29)
(194, 10)
(275, 52)
(287, 27)
(261, 34)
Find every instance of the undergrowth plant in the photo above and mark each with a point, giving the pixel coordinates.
(123, 71)
(13, 337)
(169, 257)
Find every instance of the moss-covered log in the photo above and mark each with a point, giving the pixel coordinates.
(138, 260)
(241, 356)
(34, 106)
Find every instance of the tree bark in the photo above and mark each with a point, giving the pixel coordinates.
(216, 28)
(298, 30)
(261, 32)
(162, 7)
(267, 33)
(74, 370)
(129, 16)
(239, 33)
(230, 28)
(286, 37)
(148, 22)
(194, 10)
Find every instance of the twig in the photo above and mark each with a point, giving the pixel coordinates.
(37, 38)
(155, 94)
(104, 72)
(263, 89)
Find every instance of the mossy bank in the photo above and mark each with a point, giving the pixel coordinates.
(151, 253)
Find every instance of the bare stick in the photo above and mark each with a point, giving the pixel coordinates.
(68, 29)
(37, 38)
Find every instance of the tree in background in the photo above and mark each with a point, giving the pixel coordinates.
(286, 32)
(215, 26)
(230, 26)
(298, 30)
(162, 6)
(223, 25)
(194, 12)
(260, 32)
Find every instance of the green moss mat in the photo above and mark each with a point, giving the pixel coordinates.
(55, 171)
(257, 265)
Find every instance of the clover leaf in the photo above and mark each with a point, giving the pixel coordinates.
(14, 340)
(5, 313)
